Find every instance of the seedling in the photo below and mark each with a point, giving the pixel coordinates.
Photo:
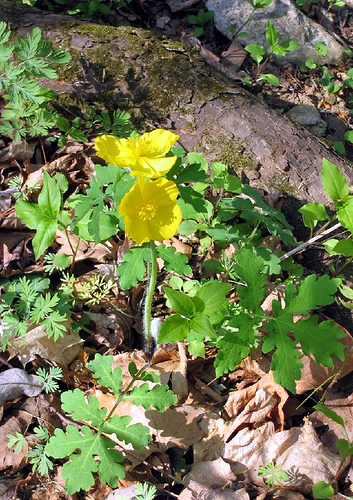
(200, 20)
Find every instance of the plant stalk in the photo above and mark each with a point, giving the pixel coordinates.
(149, 340)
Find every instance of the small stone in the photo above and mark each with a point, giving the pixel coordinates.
(308, 116)
(290, 22)
(162, 21)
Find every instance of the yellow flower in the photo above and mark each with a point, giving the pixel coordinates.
(150, 210)
(144, 154)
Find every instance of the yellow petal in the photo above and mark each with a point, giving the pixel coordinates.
(162, 191)
(166, 222)
(157, 143)
(130, 202)
(137, 230)
(107, 147)
(153, 167)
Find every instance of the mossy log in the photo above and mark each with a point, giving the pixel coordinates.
(164, 83)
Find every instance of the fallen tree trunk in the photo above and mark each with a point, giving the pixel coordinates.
(166, 84)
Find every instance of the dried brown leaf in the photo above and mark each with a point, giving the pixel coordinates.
(298, 451)
(63, 351)
(8, 458)
(16, 382)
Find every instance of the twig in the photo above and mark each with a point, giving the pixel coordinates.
(310, 242)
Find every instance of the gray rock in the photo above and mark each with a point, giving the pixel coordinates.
(308, 116)
(291, 23)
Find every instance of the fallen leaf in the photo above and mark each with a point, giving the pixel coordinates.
(237, 400)
(8, 457)
(62, 351)
(255, 411)
(298, 451)
(20, 151)
(208, 479)
(234, 55)
(341, 405)
(16, 382)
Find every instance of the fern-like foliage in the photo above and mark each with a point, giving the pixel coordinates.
(21, 63)
(89, 448)
(24, 303)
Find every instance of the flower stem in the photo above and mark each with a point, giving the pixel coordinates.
(149, 340)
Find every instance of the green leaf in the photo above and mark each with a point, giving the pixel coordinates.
(197, 348)
(269, 78)
(49, 199)
(344, 448)
(349, 136)
(102, 225)
(30, 213)
(320, 339)
(323, 491)
(188, 227)
(214, 295)
(193, 19)
(271, 34)
(312, 212)
(346, 291)
(63, 123)
(256, 52)
(137, 434)
(321, 49)
(330, 414)
(345, 215)
(260, 4)
(339, 147)
(234, 346)
(145, 375)
(88, 410)
(314, 292)
(78, 471)
(17, 440)
(132, 269)
(333, 181)
(159, 397)
(274, 220)
(339, 247)
(180, 302)
(101, 367)
(199, 31)
(62, 261)
(201, 324)
(271, 262)
(310, 63)
(173, 329)
(193, 205)
(285, 363)
(174, 261)
(250, 268)
(290, 45)
(44, 237)
(77, 135)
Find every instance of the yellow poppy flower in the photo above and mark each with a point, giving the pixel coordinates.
(150, 210)
(144, 154)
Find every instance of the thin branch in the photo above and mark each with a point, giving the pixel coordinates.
(311, 241)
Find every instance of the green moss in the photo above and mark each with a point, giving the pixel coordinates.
(228, 151)
(98, 32)
(280, 182)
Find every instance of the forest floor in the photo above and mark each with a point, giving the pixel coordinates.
(245, 400)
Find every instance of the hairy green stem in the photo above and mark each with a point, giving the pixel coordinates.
(148, 301)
